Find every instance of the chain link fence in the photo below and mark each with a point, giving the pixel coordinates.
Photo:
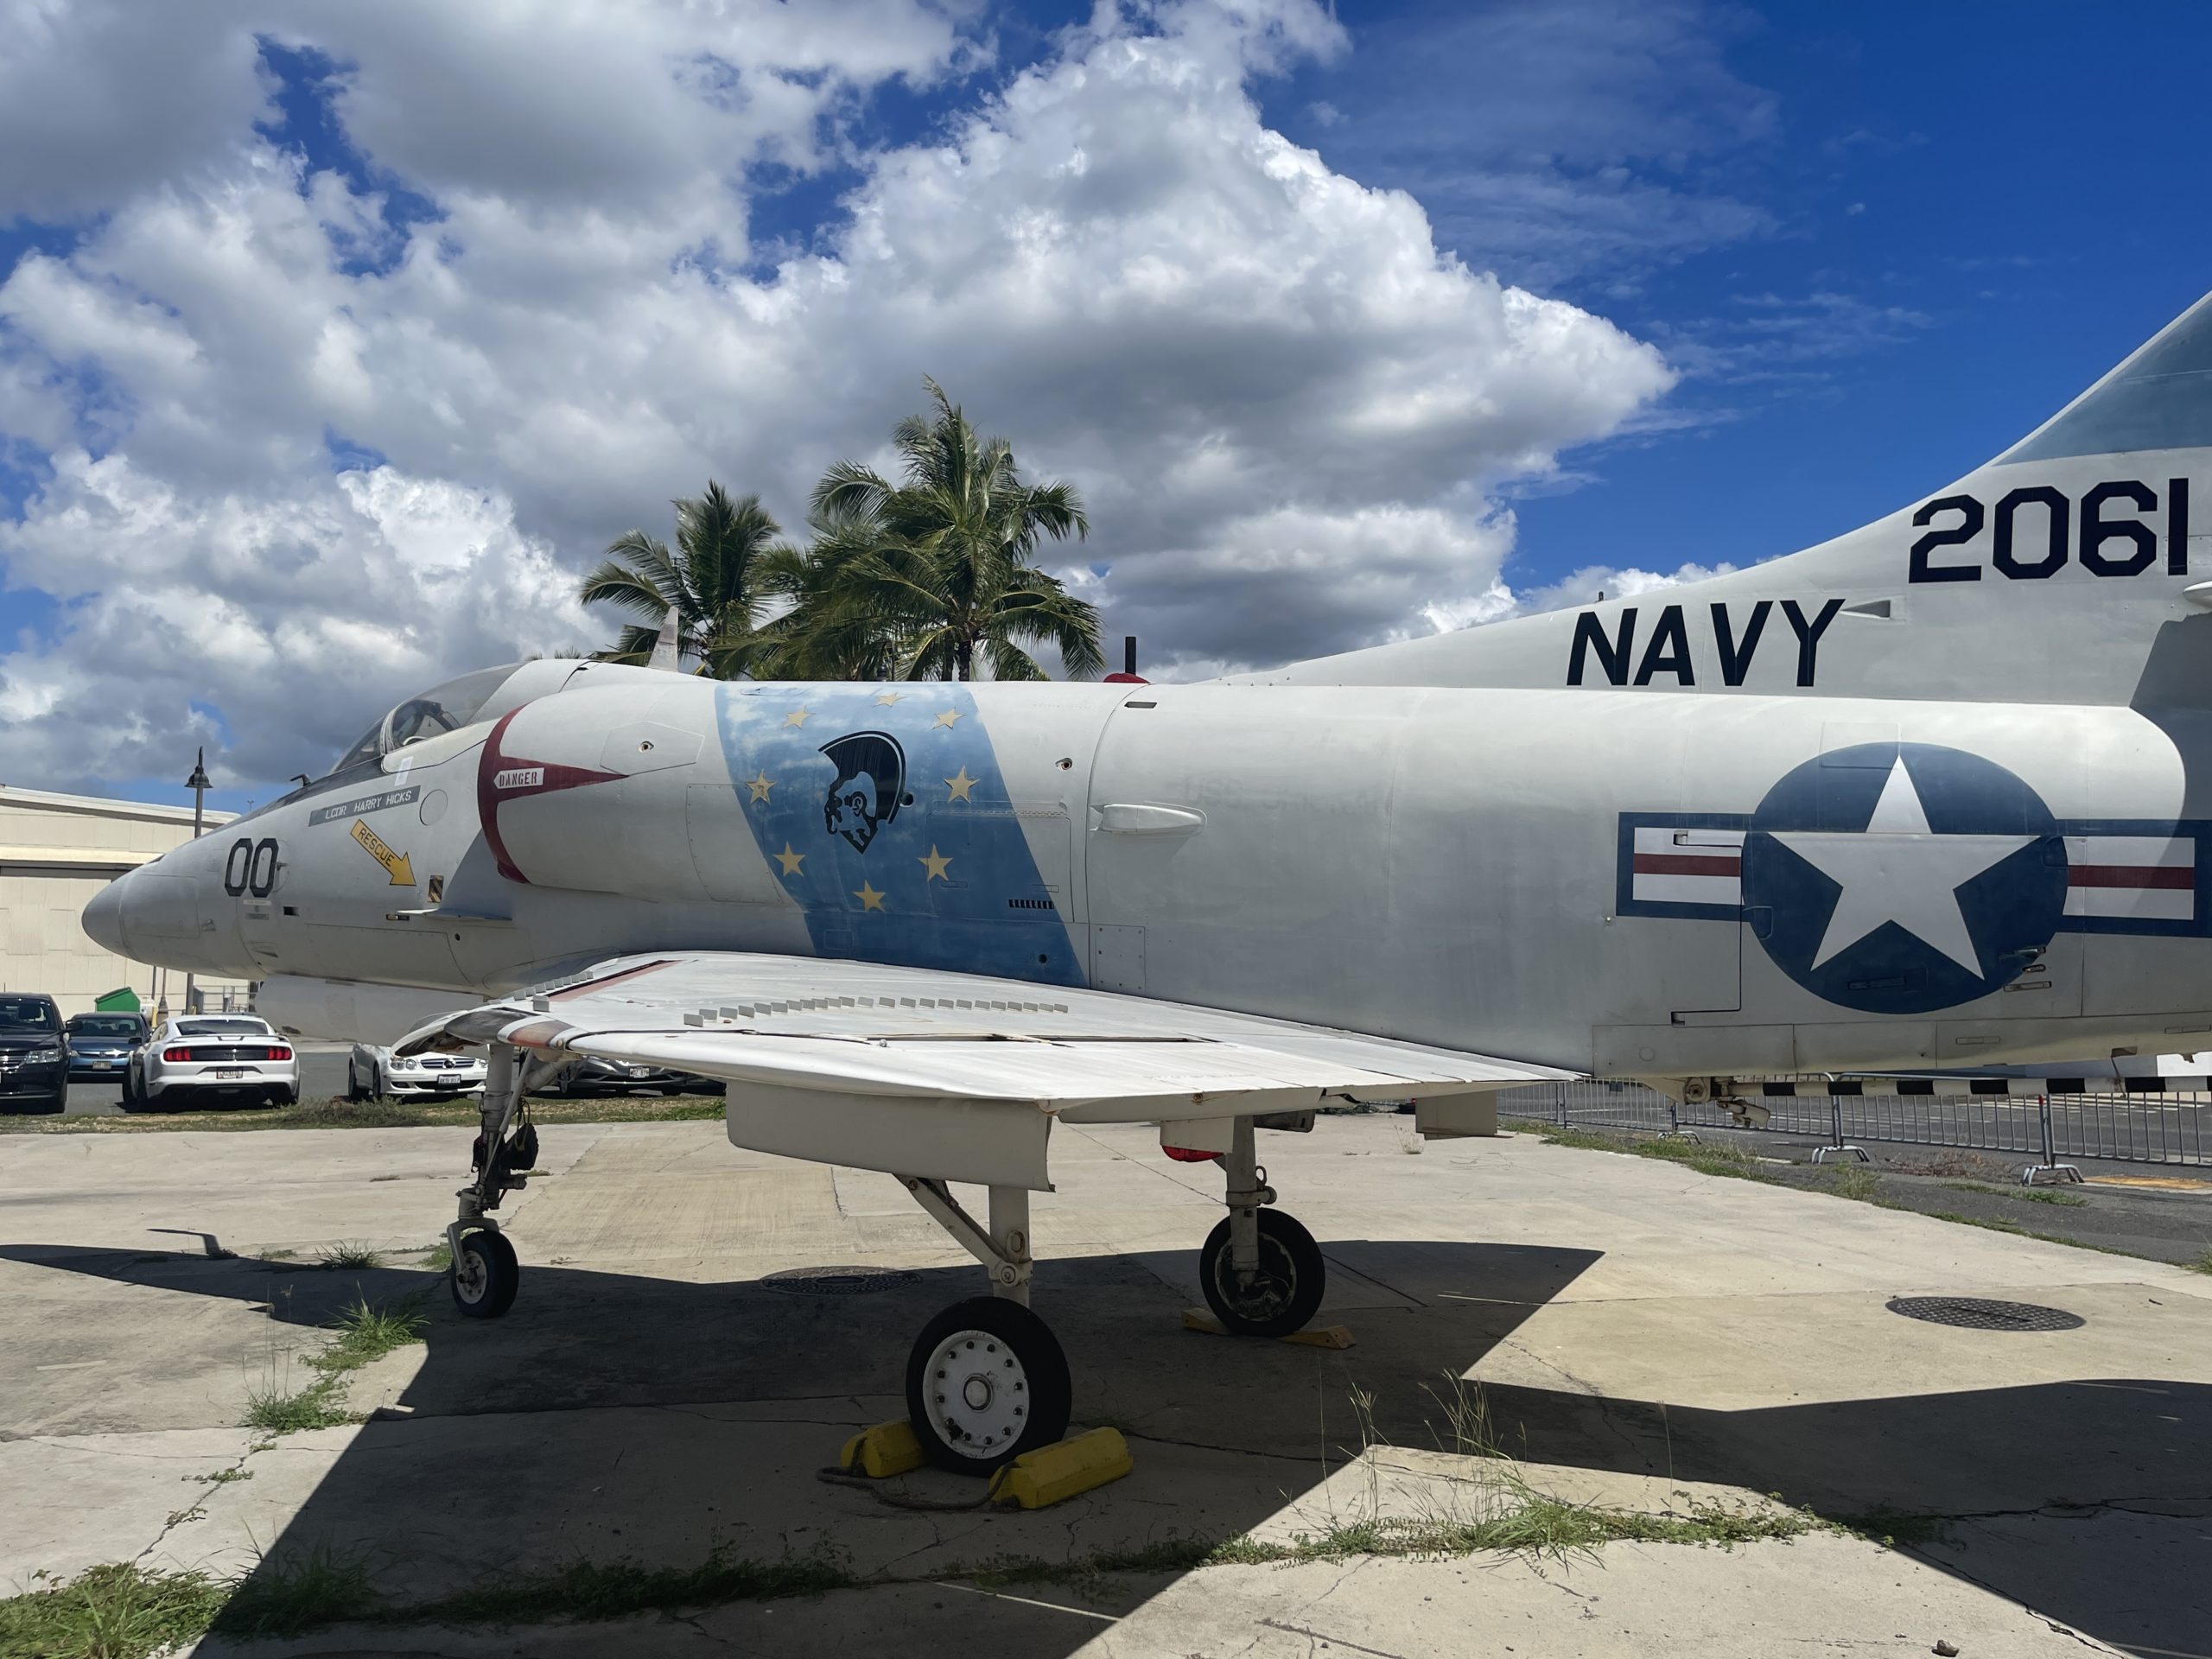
(2133, 1128)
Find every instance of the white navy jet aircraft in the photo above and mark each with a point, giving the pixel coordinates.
(1933, 795)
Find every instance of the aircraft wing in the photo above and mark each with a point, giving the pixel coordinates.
(930, 1072)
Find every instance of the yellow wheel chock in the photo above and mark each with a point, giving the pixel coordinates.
(1049, 1475)
(1055, 1473)
(885, 1450)
(1319, 1335)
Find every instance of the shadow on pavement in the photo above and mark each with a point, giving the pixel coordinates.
(709, 1406)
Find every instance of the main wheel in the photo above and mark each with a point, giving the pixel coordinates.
(485, 1275)
(985, 1383)
(1281, 1296)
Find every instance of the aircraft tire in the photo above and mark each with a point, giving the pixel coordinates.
(986, 1381)
(485, 1275)
(1287, 1290)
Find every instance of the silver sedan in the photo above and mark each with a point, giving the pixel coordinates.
(373, 1072)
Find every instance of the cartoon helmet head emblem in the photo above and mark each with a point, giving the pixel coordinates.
(870, 786)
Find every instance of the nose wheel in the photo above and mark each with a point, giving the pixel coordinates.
(986, 1381)
(485, 1275)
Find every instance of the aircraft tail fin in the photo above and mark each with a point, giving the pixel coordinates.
(668, 646)
(2075, 567)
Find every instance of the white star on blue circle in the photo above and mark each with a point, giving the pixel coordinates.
(1902, 878)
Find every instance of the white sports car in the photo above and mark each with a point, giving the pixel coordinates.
(373, 1071)
(196, 1057)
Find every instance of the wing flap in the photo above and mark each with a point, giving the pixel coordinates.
(868, 1031)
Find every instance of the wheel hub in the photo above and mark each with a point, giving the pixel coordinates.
(1270, 1287)
(977, 1393)
(469, 1274)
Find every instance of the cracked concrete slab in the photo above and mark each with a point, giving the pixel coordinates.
(1636, 1331)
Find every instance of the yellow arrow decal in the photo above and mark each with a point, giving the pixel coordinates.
(396, 865)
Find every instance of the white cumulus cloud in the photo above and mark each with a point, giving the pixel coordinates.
(1286, 409)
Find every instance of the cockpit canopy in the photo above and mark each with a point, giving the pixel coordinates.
(442, 708)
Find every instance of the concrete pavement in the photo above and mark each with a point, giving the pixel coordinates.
(1634, 1327)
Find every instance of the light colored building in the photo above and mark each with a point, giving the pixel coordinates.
(56, 851)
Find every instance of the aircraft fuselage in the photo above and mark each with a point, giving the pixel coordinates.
(1636, 884)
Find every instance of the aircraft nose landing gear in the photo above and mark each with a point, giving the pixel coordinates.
(485, 1275)
(986, 1381)
(1261, 1270)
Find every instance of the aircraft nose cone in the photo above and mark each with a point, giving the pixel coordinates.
(103, 917)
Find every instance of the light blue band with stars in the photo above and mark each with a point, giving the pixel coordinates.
(930, 868)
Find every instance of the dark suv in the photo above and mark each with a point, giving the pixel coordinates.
(34, 1054)
(100, 1044)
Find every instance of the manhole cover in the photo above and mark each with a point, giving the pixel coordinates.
(836, 1281)
(1972, 1314)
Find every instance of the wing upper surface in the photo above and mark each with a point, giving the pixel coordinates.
(870, 1031)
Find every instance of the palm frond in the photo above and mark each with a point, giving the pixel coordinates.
(849, 489)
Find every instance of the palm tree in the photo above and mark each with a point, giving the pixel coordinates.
(728, 560)
(913, 580)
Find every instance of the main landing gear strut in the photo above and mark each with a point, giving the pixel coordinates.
(485, 1275)
(987, 1381)
(1261, 1270)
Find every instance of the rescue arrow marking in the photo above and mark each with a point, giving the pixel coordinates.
(396, 865)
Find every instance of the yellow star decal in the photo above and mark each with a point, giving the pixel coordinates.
(947, 716)
(790, 860)
(760, 785)
(937, 865)
(869, 898)
(888, 698)
(960, 786)
(798, 716)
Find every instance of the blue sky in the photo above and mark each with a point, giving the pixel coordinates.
(2018, 180)
(1994, 203)
(1877, 244)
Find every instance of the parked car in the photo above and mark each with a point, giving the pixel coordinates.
(34, 1054)
(100, 1044)
(373, 1071)
(200, 1056)
(594, 1076)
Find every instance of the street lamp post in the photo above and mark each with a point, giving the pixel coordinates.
(198, 785)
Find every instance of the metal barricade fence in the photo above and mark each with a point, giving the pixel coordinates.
(2133, 1128)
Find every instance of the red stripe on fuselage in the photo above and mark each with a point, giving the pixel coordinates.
(2175, 876)
(1686, 864)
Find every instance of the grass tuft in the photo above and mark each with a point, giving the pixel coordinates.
(440, 1260)
(1708, 1158)
(2028, 1194)
(1894, 1528)
(118, 1611)
(1854, 1181)
(604, 1590)
(366, 1332)
(286, 1595)
(277, 1411)
(349, 1256)
(2203, 1264)
(339, 1114)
